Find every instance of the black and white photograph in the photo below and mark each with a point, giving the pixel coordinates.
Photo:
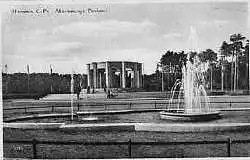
(125, 79)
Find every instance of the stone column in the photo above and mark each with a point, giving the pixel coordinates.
(100, 80)
(123, 75)
(89, 75)
(140, 75)
(97, 79)
(95, 75)
(107, 70)
(138, 79)
(120, 77)
(132, 79)
(135, 81)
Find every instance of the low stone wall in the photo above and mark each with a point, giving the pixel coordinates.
(192, 127)
(32, 125)
(99, 127)
(149, 127)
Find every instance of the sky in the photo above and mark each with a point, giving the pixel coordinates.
(124, 32)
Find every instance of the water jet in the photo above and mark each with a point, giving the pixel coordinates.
(192, 100)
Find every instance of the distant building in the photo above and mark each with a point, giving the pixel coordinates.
(114, 74)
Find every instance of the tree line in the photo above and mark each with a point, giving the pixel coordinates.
(41, 83)
(228, 68)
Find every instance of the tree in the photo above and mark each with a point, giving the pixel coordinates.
(237, 46)
(171, 63)
(166, 58)
(211, 57)
(225, 52)
(243, 63)
(192, 55)
(246, 53)
(182, 58)
(208, 56)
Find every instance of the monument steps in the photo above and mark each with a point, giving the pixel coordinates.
(68, 96)
(59, 97)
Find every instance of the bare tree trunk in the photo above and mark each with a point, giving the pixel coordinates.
(247, 76)
(222, 77)
(211, 78)
(225, 77)
(235, 73)
(232, 73)
(162, 82)
(248, 73)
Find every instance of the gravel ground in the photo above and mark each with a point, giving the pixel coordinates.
(78, 151)
(102, 104)
(149, 117)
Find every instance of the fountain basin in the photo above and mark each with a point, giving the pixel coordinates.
(194, 117)
(232, 115)
(132, 121)
(90, 118)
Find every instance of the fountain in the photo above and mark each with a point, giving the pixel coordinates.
(192, 100)
(89, 117)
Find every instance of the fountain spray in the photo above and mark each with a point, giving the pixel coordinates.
(193, 102)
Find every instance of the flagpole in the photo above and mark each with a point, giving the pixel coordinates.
(6, 71)
(51, 84)
(72, 94)
(143, 75)
(28, 71)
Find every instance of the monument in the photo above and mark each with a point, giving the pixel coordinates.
(114, 74)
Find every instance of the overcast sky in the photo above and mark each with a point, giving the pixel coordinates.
(131, 32)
